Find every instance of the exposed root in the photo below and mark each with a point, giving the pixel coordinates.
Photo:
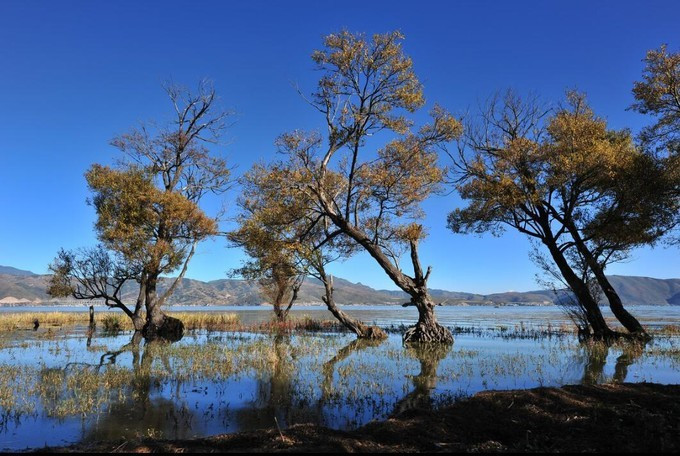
(171, 330)
(433, 333)
(372, 333)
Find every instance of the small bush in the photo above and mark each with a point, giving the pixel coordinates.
(112, 324)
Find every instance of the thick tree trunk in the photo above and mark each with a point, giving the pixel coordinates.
(615, 304)
(158, 325)
(357, 327)
(582, 293)
(427, 329)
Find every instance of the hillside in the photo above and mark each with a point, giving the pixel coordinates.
(26, 286)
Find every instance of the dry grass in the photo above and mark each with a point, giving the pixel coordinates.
(113, 321)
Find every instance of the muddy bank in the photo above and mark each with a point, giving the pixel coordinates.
(614, 417)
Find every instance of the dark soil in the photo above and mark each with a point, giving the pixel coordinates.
(615, 417)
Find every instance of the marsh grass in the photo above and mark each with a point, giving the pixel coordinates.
(114, 322)
(302, 323)
(292, 369)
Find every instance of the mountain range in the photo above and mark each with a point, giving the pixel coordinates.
(19, 287)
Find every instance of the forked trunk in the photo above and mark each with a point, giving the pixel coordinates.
(158, 325)
(427, 330)
(582, 293)
(615, 304)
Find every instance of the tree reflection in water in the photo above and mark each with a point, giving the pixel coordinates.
(160, 415)
(596, 354)
(429, 355)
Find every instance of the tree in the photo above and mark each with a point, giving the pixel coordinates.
(371, 196)
(504, 172)
(272, 260)
(285, 245)
(95, 274)
(147, 207)
(575, 186)
(658, 94)
(587, 164)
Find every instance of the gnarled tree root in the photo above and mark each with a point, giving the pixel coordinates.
(432, 333)
(171, 329)
(371, 333)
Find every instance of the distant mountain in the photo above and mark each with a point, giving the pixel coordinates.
(9, 270)
(646, 290)
(23, 287)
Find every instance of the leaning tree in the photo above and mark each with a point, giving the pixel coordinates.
(368, 193)
(148, 213)
(503, 172)
(284, 244)
(568, 181)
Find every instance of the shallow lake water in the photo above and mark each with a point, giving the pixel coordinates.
(63, 387)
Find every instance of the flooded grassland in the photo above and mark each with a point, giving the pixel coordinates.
(64, 383)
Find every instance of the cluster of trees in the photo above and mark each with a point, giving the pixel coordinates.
(586, 192)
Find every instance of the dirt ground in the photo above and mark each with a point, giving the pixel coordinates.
(615, 417)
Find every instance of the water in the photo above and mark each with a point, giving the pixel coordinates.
(461, 316)
(59, 390)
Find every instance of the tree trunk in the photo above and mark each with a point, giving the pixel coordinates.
(158, 325)
(580, 289)
(357, 327)
(615, 304)
(427, 329)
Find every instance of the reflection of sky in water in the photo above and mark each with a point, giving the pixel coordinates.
(328, 380)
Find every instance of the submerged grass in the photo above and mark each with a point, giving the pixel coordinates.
(307, 374)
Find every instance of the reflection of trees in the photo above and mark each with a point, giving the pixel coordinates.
(329, 367)
(140, 412)
(596, 358)
(276, 396)
(429, 355)
(631, 352)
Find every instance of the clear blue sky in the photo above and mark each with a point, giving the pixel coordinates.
(74, 74)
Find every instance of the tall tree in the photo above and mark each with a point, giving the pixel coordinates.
(284, 244)
(371, 195)
(587, 163)
(148, 206)
(576, 179)
(504, 173)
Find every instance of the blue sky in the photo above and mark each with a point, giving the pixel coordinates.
(75, 74)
